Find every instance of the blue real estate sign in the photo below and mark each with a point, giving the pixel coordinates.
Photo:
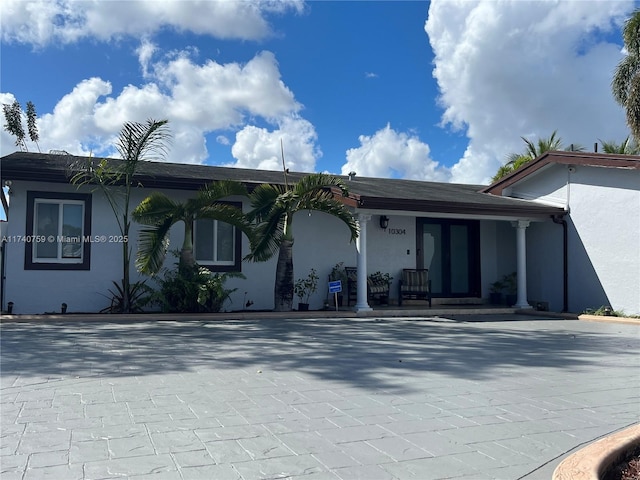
(335, 287)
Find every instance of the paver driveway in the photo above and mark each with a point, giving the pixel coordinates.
(312, 399)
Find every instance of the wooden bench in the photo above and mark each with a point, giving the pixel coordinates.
(415, 284)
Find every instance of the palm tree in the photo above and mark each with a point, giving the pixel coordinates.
(274, 207)
(533, 151)
(627, 147)
(137, 142)
(161, 213)
(626, 78)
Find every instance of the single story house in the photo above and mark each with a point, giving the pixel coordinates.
(568, 223)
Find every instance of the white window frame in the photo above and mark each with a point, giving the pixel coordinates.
(214, 240)
(32, 235)
(37, 235)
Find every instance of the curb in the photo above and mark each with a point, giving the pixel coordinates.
(249, 315)
(609, 319)
(591, 462)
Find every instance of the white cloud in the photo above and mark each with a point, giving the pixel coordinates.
(524, 68)
(197, 99)
(260, 148)
(145, 53)
(40, 22)
(217, 96)
(388, 153)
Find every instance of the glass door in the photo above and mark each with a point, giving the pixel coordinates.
(450, 249)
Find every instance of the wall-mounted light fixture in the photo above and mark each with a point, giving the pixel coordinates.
(384, 222)
(8, 183)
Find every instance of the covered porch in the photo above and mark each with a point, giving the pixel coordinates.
(467, 240)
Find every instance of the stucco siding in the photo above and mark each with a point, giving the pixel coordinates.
(605, 240)
(604, 232)
(321, 241)
(38, 291)
(545, 265)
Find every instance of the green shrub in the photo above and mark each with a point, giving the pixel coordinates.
(193, 290)
(605, 310)
(140, 295)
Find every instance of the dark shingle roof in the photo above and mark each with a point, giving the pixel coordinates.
(371, 193)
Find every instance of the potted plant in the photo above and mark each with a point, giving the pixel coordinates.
(338, 273)
(304, 288)
(495, 292)
(510, 283)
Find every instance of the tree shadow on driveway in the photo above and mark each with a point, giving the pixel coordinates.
(360, 353)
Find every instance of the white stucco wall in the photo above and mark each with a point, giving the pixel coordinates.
(604, 233)
(545, 273)
(321, 241)
(38, 291)
(605, 211)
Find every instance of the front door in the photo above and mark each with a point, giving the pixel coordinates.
(450, 249)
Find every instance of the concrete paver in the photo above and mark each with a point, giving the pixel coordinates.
(327, 398)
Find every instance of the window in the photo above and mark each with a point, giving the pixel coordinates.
(217, 245)
(58, 231)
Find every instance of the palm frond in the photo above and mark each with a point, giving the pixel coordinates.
(627, 147)
(328, 204)
(143, 141)
(227, 214)
(503, 171)
(154, 209)
(633, 107)
(318, 181)
(268, 236)
(221, 189)
(628, 67)
(263, 199)
(153, 244)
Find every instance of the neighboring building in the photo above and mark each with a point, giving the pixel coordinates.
(601, 195)
(468, 236)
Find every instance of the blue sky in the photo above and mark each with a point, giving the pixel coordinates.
(437, 90)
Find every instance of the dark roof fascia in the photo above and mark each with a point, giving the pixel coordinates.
(606, 160)
(525, 208)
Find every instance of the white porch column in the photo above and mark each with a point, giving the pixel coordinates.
(521, 244)
(361, 245)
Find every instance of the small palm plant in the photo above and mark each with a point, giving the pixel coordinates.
(274, 208)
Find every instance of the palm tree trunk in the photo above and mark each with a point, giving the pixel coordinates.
(283, 292)
(186, 253)
(126, 262)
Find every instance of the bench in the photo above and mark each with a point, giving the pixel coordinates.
(415, 284)
(376, 289)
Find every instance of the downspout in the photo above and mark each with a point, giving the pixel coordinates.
(3, 276)
(559, 219)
